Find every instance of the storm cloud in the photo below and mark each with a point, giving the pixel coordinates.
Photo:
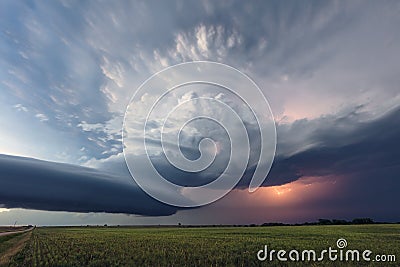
(34, 184)
(364, 153)
(349, 144)
(329, 69)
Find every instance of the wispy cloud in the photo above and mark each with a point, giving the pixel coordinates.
(41, 117)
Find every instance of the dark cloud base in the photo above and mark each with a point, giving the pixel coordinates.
(343, 145)
(34, 184)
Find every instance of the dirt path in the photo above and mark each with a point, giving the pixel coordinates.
(8, 254)
(16, 232)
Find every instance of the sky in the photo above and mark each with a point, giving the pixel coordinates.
(330, 71)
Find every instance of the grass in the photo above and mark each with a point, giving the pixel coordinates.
(11, 245)
(211, 246)
(5, 229)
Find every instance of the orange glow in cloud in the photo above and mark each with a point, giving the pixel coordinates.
(281, 191)
(290, 202)
(303, 190)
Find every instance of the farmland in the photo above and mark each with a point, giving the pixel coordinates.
(11, 245)
(203, 246)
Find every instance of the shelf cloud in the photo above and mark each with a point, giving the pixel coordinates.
(35, 184)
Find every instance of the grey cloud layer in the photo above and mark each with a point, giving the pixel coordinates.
(347, 145)
(33, 184)
(350, 143)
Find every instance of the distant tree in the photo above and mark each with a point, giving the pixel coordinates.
(362, 221)
(105, 225)
(324, 221)
(339, 222)
(179, 224)
(273, 224)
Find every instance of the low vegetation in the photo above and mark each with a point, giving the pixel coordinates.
(202, 246)
(10, 245)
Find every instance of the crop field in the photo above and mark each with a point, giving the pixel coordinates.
(203, 246)
(10, 245)
(6, 241)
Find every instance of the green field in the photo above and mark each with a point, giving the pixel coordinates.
(10, 245)
(7, 241)
(208, 246)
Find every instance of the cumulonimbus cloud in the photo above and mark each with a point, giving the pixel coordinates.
(342, 145)
(338, 145)
(35, 184)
